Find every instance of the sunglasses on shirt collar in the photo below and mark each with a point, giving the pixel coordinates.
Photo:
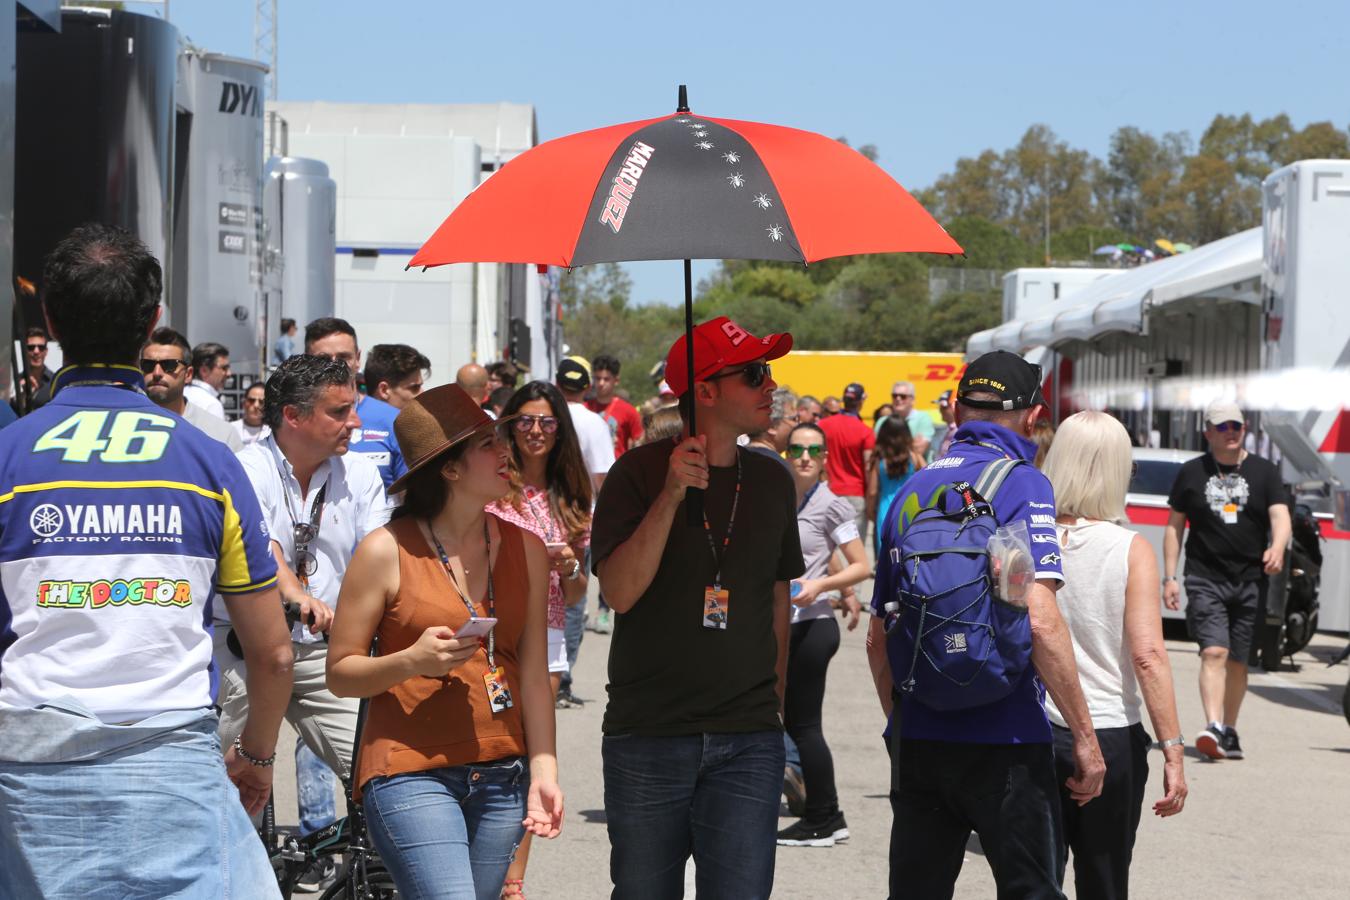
(754, 373)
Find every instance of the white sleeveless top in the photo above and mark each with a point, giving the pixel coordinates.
(1092, 602)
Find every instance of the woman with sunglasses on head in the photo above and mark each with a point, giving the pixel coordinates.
(892, 462)
(457, 759)
(550, 497)
(825, 523)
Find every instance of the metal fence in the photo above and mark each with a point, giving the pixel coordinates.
(944, 280)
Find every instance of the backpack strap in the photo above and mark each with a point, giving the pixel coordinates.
(993, 476)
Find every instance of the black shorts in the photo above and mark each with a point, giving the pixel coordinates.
(1222, 614)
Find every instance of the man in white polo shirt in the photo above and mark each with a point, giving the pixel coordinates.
(319, 502)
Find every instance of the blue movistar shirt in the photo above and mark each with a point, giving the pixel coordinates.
(1020, 717)
(118, 521)
(375, 439)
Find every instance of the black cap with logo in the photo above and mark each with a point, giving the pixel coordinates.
(854, 391)
(1016, 382)
(574, 373)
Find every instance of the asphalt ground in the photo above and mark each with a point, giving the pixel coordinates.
(1274, 824)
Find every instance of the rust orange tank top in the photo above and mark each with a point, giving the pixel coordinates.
(427, 723)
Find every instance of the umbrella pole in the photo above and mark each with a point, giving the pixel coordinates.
(693, 497)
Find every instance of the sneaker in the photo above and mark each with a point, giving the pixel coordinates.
(320, 876)
(568, 700)
(794, 789)
(1211, 741)
(1231, 748)
(833, 830)
(603, 625)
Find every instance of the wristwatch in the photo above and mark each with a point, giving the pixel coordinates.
(1177, 741)
(1169, 578)
(576, 570)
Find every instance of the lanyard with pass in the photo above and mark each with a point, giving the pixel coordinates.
(716, 599)
(499, 696)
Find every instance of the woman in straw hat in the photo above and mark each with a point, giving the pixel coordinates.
(457, 757)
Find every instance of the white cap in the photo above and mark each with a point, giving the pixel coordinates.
(1223, 411)
(664, 389)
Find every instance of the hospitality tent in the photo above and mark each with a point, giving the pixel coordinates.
(1120, 303)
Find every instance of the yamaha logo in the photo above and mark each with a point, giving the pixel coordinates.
(46, 520)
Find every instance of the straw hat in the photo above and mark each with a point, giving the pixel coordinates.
(434, 422)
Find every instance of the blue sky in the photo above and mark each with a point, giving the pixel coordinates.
(925, 83)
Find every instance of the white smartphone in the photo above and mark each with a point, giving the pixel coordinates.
(554, 547)
(476, 628)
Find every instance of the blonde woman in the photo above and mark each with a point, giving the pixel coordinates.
(1110, 601)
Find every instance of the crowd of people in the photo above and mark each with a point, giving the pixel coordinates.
(436, 546)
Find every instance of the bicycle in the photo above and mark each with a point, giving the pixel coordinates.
(362, 876)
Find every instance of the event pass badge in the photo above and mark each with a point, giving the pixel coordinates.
(499, 695)
(716, 607)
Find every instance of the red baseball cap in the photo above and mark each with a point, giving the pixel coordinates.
(719, 343)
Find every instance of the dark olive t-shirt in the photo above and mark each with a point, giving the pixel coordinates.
(668, 674)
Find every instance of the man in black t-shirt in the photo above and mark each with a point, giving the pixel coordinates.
(1232, 499)
(693, 747)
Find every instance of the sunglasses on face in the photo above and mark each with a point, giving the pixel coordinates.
(306, 563)
(1228, 426)
(797, 450)
(253, 401)
(547, 424)
(902, 396)
(169, 366)
(34, 348)
(754, 373)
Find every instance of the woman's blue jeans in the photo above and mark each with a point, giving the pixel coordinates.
(449, 833)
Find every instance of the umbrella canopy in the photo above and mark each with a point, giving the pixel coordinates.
(1167, 245)
(1106, 250)
(685, 187)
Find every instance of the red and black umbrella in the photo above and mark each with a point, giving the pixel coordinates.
(685, 186)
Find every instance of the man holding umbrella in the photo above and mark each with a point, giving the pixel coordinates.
(693, 748)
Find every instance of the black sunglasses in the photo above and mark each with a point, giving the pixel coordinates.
(547, 424)
(168, 365)
(1228, 426)
(754, 373)
(31, 348)
(306, 563)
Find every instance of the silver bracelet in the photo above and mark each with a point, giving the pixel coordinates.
(576, 570)
(251, 759)
(1177, 741)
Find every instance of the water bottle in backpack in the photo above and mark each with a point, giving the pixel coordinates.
(953, 641)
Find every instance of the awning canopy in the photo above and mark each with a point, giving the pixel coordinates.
(1118, 302)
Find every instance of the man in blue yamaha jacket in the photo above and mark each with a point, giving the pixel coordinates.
(989, 769)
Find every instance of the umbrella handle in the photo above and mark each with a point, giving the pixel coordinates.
(693, 497)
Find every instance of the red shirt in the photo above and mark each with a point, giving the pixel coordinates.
(847, 438)
(625, 425)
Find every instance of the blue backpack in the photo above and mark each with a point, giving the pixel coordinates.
(952, 643)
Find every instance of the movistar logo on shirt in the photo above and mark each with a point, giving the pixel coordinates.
(75, 523)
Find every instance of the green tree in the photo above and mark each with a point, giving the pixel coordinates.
(958, 315)
(603, 283)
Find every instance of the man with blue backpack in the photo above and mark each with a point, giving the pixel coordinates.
(966, 639)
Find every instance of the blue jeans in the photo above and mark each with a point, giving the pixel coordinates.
(712, 795)
(573, 631)
(154, 817)
(449, 833)
(315, 785)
